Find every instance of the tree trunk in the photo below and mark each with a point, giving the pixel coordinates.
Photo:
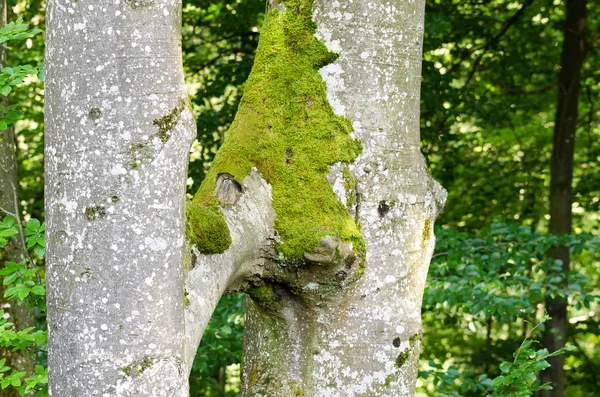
(19, 314)
(363, 336)
(561, 182)
(318, 205)
(118, 132)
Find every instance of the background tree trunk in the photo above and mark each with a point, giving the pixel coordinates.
(118, 132)
(364, 338)
(19, 314)
(561, 183)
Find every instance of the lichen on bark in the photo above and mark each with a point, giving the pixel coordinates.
(287, 130)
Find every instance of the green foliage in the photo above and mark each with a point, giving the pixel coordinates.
(13, 76)
(488, 105)
(8, 229)
(214, 372)
(519, 377)
(504, 272)
(495, 283)
(23, 284)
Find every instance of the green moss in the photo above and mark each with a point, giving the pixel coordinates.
(139, 153)
(135, 4)
(426, 234)
(414, 338)
(137, 367)
(402, 357)
(95, 212)
(405, 354)
(388, 380)
(296, 389)
(186, 300)
(265, 297)
(206, 227)
(94, 113)
(286, 128)
(167, 123)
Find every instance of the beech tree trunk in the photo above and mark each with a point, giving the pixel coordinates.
(364, 337)
(9, 205)
(118, 132)
(561, 179)
(318, 205)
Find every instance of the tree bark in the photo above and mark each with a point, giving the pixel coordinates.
(363, 338)
(118, 132)
(129, 297)
(19, 314)
(561, 179)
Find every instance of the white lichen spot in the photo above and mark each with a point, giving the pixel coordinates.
(118, 169)
(155, 244)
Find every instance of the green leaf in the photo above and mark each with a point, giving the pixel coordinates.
(38, 290)
(505, 366)
(10, 279)
(41, 74)
(33, 224)
(5, 90)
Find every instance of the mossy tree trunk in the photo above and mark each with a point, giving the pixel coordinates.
(318, 204)
(333, 329)
(9, 204)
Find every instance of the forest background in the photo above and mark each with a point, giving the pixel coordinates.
(489, 102)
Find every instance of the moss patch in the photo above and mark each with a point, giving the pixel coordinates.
(405, 354)
(139, 153)
(167, 123)
(206, 227)
(137, 367)
(94, 113)
(95, 212)
(286, 128)
(350, 186)
(426, 234)
(265, 297)
(402, 357)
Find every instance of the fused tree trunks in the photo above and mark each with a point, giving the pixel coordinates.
(561, 180)
(118, 132)
(361, 337)
(9, 204)
(318, 205)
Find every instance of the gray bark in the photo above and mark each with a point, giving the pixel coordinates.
(118, 132)
(364, 340)
(9, 204)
